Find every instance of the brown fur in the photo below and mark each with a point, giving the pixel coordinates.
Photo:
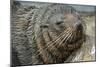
(59, 37)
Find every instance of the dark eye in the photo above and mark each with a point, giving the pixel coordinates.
(58, 23)
(44, 26)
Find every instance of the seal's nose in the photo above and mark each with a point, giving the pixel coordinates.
(78, 25)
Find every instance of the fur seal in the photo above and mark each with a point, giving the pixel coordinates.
(58, 32)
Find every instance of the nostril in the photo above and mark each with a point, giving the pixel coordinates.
(78, 25)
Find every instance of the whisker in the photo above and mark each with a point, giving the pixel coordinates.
(65, 35)
(66, 38)
(58, 38)
(61, 37)
(49, 45)
(71, 37)
(55, 48)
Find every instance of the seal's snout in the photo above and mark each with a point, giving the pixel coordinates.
(78, 25)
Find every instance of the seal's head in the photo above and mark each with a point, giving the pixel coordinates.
(63, 21)
(68, 23)
(58, 32)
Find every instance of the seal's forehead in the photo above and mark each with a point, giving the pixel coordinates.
(61, 8)
(57, 17)
(71, 17)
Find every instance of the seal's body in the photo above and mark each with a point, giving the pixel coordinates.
(58, 32)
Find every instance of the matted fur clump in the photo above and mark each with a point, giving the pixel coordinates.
(58, 32)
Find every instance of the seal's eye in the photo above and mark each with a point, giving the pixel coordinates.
(59, 22)
(44, 26)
